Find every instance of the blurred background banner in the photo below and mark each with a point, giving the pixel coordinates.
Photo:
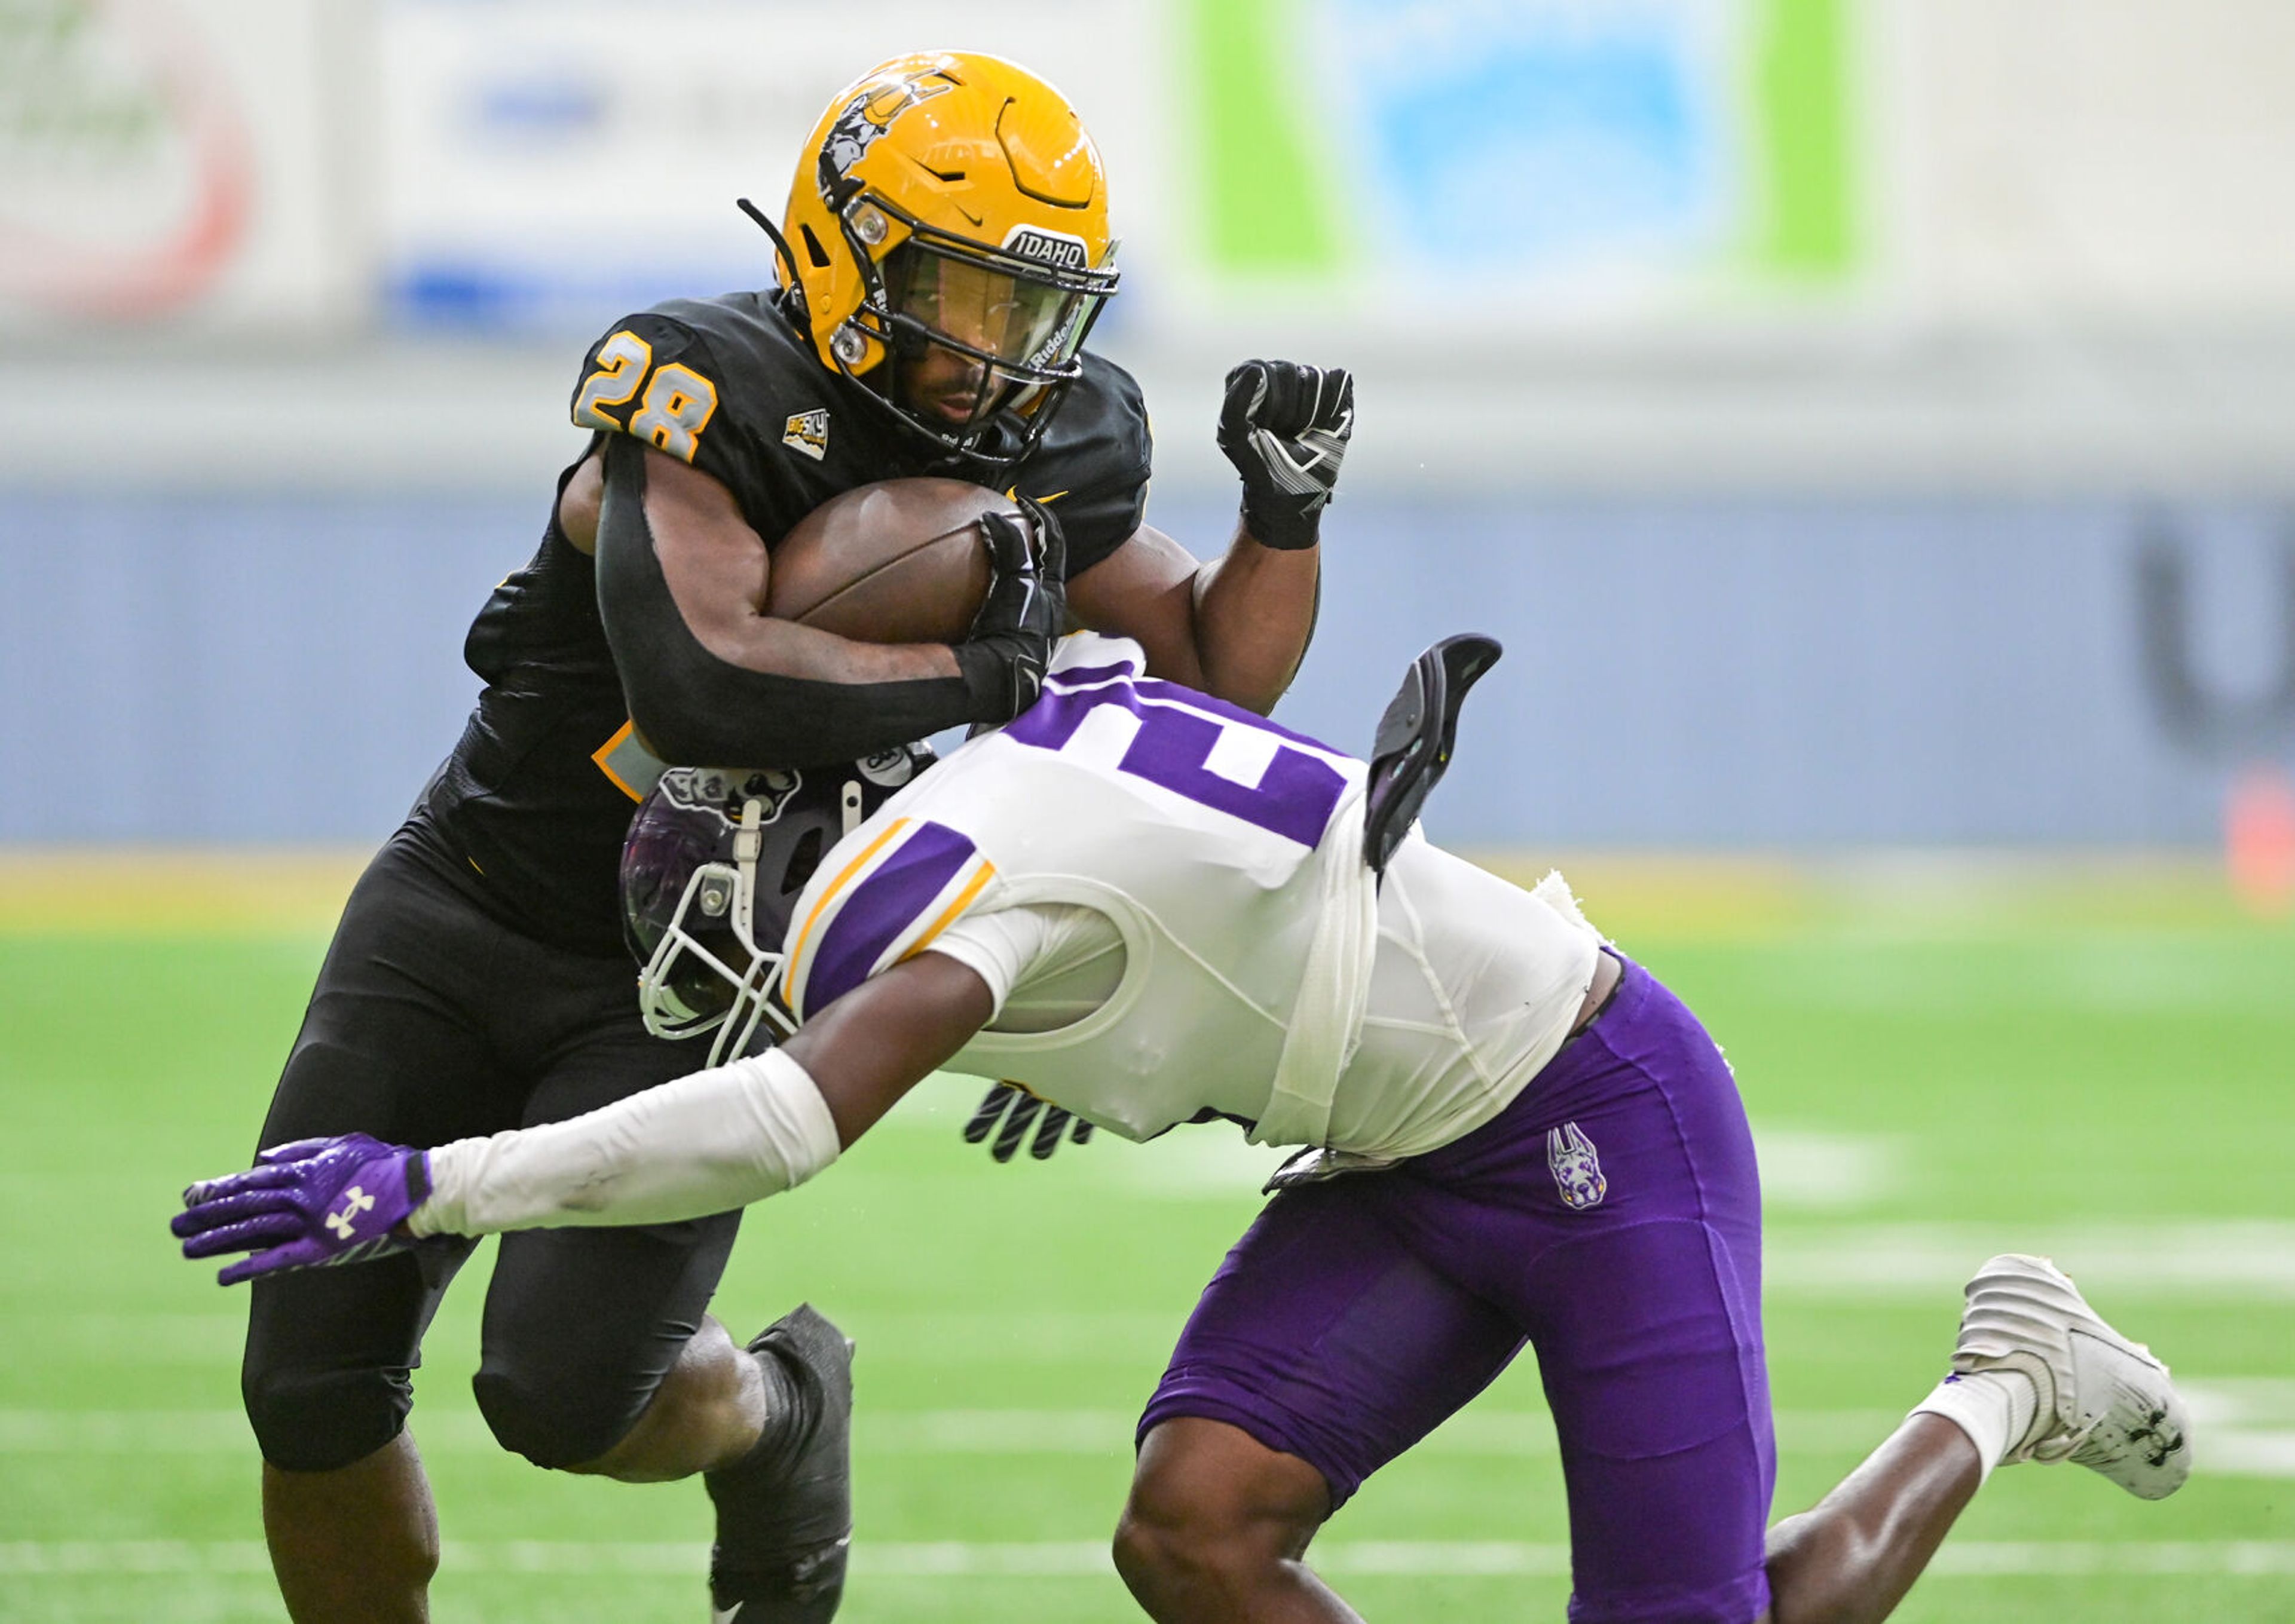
(542, 163)
(175, 164)
(518, 165)
(515, 162)
(1551, 155)
(1866, 420)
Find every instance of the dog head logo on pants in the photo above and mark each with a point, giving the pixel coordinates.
(1576, 1169)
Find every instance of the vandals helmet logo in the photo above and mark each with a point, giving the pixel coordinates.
(864, 120)
(1576, 1167)
(719, 792)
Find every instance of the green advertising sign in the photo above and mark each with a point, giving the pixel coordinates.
(1524, 139)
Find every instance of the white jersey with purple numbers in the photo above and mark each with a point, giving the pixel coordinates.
(1264, 976)
(1196, 828)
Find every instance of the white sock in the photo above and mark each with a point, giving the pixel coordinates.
(1995, 1407)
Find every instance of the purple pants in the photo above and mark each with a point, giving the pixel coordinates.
(1610, 1218)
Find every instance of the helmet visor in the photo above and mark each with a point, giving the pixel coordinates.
(973, 335)
(996, 316)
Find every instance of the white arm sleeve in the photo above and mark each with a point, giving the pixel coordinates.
(707, 1143)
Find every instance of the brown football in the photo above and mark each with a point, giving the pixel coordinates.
(900, 561)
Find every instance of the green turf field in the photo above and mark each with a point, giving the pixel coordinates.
(1938, 1069)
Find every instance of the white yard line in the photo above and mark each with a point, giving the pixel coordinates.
(2244, 1436)
(2245, 1261)
(1818, 1170)
(2161, 1261)
(948, 1432)
(1033, 1337)
(1057, 1559)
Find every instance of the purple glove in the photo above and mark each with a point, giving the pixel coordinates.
(310, 1204)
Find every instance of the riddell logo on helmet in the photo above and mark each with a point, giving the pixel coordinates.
(1055, 249)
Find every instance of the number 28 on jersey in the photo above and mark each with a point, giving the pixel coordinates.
(673, 404)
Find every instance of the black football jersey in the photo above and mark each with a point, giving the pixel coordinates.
(537, 796)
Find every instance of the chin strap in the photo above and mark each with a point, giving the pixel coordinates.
(753, 985)
(748, 842)
(1411, 749)
(781, 250)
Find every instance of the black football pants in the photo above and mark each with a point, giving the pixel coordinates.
(432, 1022)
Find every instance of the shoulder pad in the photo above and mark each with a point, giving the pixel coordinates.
(880, 895)
(651, 377)
(1094, 464)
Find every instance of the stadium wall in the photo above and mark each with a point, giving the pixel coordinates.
(1737, 672)
(1799, 386)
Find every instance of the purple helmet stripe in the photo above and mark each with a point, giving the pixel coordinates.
(882, 907)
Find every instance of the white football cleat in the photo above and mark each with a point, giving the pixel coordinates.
(2104, 1401)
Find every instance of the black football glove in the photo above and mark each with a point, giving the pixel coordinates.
(1016, 1108)
(1010, 644)
(1285, 427)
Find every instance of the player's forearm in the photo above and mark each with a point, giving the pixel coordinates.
(794, 695)
(1285, 427)
(707, 1143)
(746, 690)
(1255, 613)
(784, 648)
(693, 708)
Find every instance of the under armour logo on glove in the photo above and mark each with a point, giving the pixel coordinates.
(356, 1201)
(300, 1206)
(1286, 429)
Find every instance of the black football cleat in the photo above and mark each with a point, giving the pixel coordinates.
(785, 1512)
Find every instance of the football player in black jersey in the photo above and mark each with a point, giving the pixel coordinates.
(943, 253)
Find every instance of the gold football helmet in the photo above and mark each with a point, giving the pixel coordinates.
(947, 238)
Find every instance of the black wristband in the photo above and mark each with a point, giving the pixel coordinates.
(984, 678)
(992, 694)
(1278, 525)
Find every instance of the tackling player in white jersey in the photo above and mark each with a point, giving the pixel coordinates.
(1148, 907)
